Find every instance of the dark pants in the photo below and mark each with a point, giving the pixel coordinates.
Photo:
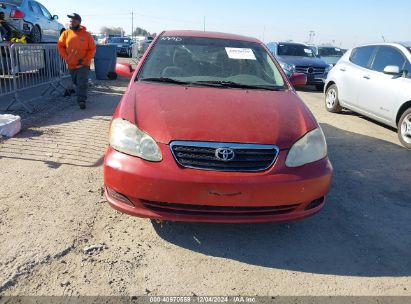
(80, 80)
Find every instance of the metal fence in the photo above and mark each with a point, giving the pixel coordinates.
(28, 66)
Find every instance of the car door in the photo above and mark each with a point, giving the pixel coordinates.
(39, 18)
(379, 92)
(351, 72)
(50, 25)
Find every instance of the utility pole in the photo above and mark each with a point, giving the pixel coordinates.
(132, 25)
(204, 23)
(311, 36)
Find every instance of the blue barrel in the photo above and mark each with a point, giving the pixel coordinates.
(105, 61)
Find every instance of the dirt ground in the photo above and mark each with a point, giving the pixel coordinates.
(58, 236)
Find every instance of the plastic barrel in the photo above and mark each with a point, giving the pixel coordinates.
(105, 61)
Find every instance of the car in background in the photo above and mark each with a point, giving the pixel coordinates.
(375, 81)
(32, 19)
(211, 130)
(330, 54)
(143, 45)
(137, 39)
(301, 58)
(124, 45)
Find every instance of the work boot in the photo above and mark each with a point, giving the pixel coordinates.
(82, 105)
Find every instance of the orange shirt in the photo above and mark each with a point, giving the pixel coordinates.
(78, 45)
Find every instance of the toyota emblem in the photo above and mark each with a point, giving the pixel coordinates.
(225, 154)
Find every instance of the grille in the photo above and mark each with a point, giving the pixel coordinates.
(207, 210)
(308, 69)
(206, 156)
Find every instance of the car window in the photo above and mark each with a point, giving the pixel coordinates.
(300, 50)
(15, 2)
(45, 12)
(193, 59)
(408, 69)
(34, 8)
(120, 40)
(388, 56)
(330, 52)
(362, 56)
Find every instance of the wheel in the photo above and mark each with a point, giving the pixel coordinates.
(319, 87)
(35, 34)
(404, 129)
(130, 54)
(332, 104)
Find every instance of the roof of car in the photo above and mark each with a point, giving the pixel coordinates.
(406, 44)
(216, 35)
(292, 42)
(387, 43)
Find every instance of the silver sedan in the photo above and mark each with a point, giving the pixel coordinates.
(375, 81)
(33, 19)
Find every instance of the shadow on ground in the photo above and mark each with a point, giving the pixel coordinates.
(308, 89)
(364, 230)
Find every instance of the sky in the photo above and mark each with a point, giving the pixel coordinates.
(344, 23)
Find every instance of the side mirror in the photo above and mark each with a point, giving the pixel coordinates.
(298, 79)
(392, 70)
(125, 70)
(55, 17)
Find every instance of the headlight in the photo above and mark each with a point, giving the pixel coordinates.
(125, 137)
(312, 147)
(329, 68)
(288, 67)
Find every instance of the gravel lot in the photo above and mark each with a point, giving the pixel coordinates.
(59, 237)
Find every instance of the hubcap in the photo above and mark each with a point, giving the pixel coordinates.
(406, 129)
(331, 98)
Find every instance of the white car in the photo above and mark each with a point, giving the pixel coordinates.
(375, 81)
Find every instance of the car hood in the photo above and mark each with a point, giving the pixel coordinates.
(172, 112)
(302, 61)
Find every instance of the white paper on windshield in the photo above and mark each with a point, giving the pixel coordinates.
(337, 49)
(308, 51)
(240, 53)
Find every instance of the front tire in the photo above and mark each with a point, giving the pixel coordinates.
(35, 34)
(404, 129)
(332, 103)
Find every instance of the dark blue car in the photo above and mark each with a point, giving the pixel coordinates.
(301, 58)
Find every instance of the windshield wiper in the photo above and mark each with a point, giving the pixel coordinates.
(232, 84)
(164, 80)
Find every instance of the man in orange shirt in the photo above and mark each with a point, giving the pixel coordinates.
(77, 47)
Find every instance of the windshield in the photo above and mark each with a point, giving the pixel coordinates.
(120, 40)
(14, 2)
(212, 61)
(330, 52)
(299, 50)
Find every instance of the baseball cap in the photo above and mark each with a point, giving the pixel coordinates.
(75, 16)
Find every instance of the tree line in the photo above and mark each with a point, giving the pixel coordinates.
(120, 31)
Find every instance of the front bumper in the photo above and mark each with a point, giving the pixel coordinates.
(123, 51)
(316, 79)
(166, 191)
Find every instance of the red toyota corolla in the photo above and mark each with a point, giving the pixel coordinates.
(211, 130)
